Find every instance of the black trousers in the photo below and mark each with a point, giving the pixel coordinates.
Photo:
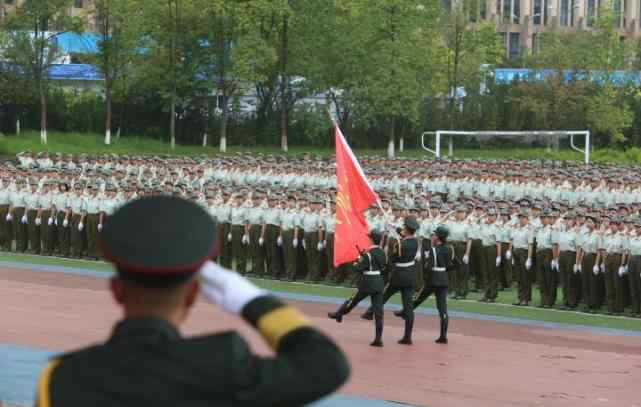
(376, 298)
(441, 298)
(406, 297)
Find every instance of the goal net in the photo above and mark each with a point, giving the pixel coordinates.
(442, 142)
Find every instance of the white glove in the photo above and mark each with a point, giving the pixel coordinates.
(528, 263)
(621, 271)
(575, 268)
(553, 265)
(245, 240)
(80, 227)
(24, 219)
(279, 241)
(295, 243)
(595, 269)
(50, 221)
(55, 221)
(227, 289)
(508, 255)
(418, 255)
(319, 246)
(602, 267)
(579, 268)
(38, 221)
(229, 237)
(65, 223)
(498, 261)
(324, 244)
(466, 259)
(261, 241)
(304, 245)
(9, 218)
(100, 227)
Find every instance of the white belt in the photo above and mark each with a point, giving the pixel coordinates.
(372, 273)
(439, 269)
(408, 264)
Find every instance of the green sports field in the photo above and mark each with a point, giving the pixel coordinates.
(501, 308)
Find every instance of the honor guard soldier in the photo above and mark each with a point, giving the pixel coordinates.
(402, 255)
(370, 264)
(146, 361)
(439, 261)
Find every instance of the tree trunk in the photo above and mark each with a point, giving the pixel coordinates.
(223, 127)
(43, 116)
(284, 86)
(401, 144)
(392, 140)
(108, 114)
(172, 122)
(18, 126)
(205, 139)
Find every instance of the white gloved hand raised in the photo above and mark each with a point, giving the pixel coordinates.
(261, 241)
(23, 219)
(508, 255)
(100, 227)
(65, 223)
(466, 259)
(498, 261)
(295, 243)
(80, 227)
(50, 221)
(227, 289)
(595, 269)
(229, 237)
(528, 263)
(319, 246)
(279, 241)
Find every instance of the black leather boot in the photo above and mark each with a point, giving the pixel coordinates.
(368, 315)
(378, 341)
(338, 315)
(409, 325)
(443, 338)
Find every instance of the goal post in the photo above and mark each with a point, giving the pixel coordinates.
(439, 134)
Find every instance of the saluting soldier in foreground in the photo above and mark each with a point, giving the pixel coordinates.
(147, 362)
(371, 284)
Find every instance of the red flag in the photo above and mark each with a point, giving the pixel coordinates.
(353, 196)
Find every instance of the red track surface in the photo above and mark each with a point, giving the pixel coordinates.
(485, 364)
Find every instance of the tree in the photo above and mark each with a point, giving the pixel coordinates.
(118, 25)
(172, 53)
(471, 49)
(234, 53)
(32, 31)
(399, 69)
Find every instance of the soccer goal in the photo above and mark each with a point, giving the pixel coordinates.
(549, 139)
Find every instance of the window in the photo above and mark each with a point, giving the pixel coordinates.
(617, 7)
(592, 12)
(545, 11)
(78, 4)
(536, 12)
(514, 49)
(508, 11)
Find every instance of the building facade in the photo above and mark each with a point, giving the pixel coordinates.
(79, 8)
(521, 21)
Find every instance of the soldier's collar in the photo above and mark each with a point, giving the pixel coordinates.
(143, 327)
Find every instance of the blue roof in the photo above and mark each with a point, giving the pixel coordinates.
(72, 43)
(509, 75)
(74, 72)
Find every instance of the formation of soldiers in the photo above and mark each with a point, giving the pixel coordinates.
(518, 224)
